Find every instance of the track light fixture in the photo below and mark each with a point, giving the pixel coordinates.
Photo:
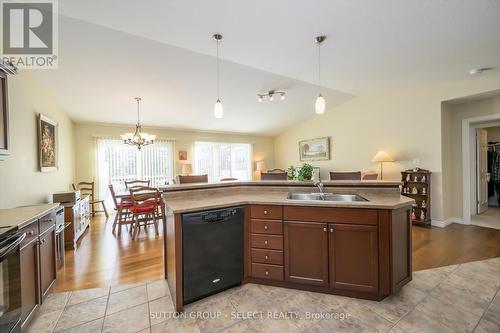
(270, 94)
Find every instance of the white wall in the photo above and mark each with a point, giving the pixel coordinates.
(20, 181)
(263, 147)
(406, 124)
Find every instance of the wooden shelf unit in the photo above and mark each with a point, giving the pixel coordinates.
(420, 197)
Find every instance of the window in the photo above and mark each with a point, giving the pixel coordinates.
(223, 160)
(118, 162)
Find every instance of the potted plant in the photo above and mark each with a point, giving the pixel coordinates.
(305, 172)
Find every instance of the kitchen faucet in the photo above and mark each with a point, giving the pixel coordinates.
(320, 186)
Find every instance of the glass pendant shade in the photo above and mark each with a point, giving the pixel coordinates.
(320, 104)
(218, 109)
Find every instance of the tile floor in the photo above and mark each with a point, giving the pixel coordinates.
(489, 219)
(458, 298)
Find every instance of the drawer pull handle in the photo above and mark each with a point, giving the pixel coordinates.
(267, 273)
(31, 233)
(267, 257)
(48, 220)
(324, 229)
(331, 229)
(265, 242)
(265, 227)
(265, 212)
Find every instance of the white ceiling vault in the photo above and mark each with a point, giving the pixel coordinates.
(113, 50)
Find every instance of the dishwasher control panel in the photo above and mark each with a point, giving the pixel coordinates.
(219, 215)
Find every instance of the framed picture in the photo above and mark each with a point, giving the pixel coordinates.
(183, 155)
(47, 143)
(315, 149)
(4, 117)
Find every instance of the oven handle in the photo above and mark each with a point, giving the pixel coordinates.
(18, 238)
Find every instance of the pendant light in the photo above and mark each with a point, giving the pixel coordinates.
(138, 138)
(320, 104)
(218, 108)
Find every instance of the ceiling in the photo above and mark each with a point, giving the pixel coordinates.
(111, 51)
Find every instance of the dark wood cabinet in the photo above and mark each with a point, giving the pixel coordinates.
(38, 265)
(47, 261)
(29, 280)
(306, 252)
(353, 257)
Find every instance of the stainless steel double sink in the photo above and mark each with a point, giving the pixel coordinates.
(325, 197)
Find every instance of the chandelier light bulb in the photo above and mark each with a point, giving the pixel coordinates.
(218, 109)
(271, 98)
(320, 104)
(259, 99)
(282, 97)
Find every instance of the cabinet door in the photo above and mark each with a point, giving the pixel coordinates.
(29, 281)
(47, 261)
(306, 252)
(353, 257)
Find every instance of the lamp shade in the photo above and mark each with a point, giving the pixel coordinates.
(261, 166)
(382, 156)
(187, 168)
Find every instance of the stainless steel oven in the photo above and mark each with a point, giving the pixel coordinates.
(10, 280)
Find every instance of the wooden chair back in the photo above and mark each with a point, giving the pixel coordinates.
(145, 196)
(227, 179)
(85, 188)
(274, 175)
(369, 175)
(137, 183)
(113, 195)
(193, 179)
(345, 175)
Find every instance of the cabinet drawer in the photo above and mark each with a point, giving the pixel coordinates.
(265, 256)
(31, 232)
(267, 241)
(331, 215)
(271, 272)
(266, 212)
(47, 221)
(267, 227)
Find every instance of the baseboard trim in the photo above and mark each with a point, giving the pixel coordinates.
(447, 222)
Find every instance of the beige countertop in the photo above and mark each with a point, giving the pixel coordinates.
(218, 198)
(19, 216)
(326, 183)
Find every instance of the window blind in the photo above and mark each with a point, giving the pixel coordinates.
(223, 160)
(118, 162)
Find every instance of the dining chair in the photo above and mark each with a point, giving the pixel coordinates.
(88, 188)
(369, 175)
(137, 183)
(228, 179)
(123, 216)
(274, 174)
(147, 208)
(355, 175)
(192, 179)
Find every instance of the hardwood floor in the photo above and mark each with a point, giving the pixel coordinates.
(104, 259)
(455, 244)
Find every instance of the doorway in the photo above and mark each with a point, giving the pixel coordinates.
(487, 176)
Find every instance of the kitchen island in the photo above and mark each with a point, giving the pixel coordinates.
(357, 249)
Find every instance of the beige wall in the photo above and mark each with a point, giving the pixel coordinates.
(85, 133)
(20, 181)
(406, 124)
(494, 133)
(452, 149)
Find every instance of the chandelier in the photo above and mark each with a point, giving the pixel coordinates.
(138, 138)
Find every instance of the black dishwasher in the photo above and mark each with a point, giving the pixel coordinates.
(212, 248)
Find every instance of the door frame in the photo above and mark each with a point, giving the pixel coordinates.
(469, 126)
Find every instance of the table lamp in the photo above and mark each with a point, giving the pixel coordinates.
(382, 157)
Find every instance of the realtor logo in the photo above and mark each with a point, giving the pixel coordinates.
(29, 33)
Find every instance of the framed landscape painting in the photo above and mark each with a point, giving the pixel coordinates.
(315, 149)
(47, 143)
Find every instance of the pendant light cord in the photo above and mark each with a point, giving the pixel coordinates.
(218, 72)
(319, 67)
